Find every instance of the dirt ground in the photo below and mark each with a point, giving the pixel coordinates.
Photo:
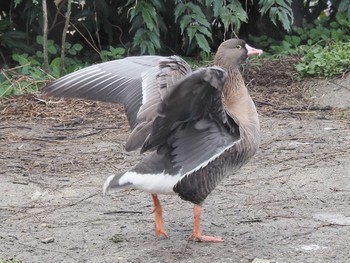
(291, 203)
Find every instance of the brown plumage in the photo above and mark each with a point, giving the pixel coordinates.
(199, 126)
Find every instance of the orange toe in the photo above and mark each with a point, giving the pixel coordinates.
(161, 232)
(197, 234)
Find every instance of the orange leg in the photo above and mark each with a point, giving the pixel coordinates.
(158, 217)
(197, 234)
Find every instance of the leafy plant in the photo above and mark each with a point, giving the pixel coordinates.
(28, 76)
(322, 33)
(25, 78)
(193, 24)
(112, 53)
(344, 7)
(146, 24)
(334, 59)
(323, 48)
(230, 13)
(278, 10)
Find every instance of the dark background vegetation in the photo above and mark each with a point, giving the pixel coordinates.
(80, 33)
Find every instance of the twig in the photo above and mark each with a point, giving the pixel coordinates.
(263, 103)
(89, 134)
(293, 112)
(43, 139)
(253, 220)
(122, 212)
(15, 127)
(19, 182)
(62, 137)
(326, 156)
(81, 128)
(80, 201)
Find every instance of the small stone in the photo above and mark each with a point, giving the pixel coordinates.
(46, 225)
(117, 238)
(48, 240)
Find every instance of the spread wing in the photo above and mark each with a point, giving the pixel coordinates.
(192, 125)
(139, 83)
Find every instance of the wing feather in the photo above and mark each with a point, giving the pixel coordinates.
(139, 83)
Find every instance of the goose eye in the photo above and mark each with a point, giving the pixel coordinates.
(239, 46)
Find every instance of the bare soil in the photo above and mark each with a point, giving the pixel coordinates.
(291, 203)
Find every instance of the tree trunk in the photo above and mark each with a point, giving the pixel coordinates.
(45, 51)
(64, 33)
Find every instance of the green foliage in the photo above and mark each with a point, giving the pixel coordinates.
(193, 24)
(150, 26)
(98, 29)
(323, 48)
(25, 78)
(334, 59)
(230, 13)
(278, 10)
(344, 7)
(28, 75)
(322, 33)
(263, 41)
(112, 53)
(146, 24)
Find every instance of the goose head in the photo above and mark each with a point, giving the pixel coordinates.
(233, 52)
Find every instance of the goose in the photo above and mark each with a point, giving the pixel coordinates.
(198, 126)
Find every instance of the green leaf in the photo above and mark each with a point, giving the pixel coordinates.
(204, 31)
(217, 8)
(283, 3)
(184, 22)
(39, 54)
(39, 40)
(191, 31)
(201, 20)
(195, 9)
(52, 49)
(148, 13)
(119, 51)
(21, 59)
(72, 51)
(265, 5)
(343, 5)
(202, 43)
(77, 47)
(179, 10)
(55, 67)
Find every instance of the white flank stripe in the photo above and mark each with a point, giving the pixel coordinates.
(151, 183)
(203, 164)
(158, 183)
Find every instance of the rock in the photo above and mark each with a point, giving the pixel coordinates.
(116, 238)
(48, 240)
